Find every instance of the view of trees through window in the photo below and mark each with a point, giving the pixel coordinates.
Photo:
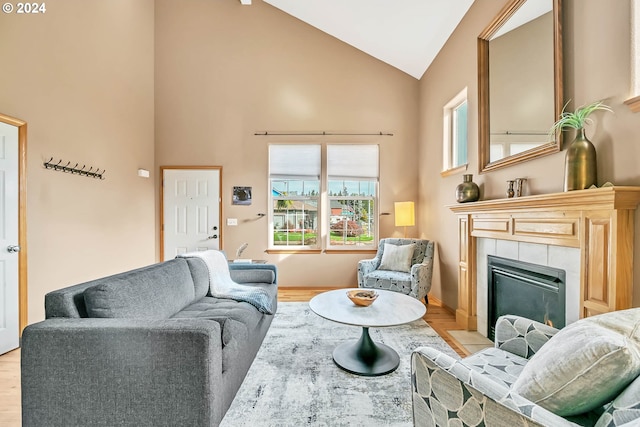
(297, 206)
(352, 216)
(295, 212)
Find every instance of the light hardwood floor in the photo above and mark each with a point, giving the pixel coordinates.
(438, 317)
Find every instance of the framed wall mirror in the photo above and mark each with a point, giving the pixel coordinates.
(519, 83)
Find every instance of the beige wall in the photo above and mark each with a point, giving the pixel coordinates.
(86, 79)
(225, 71)
(81, 76)
(597, 66)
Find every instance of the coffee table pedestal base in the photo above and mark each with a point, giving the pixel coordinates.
(366, 357)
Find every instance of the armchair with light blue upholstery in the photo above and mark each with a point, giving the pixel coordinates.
(406, 267)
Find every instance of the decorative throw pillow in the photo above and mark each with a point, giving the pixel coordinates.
(585, 365)
(397, 258)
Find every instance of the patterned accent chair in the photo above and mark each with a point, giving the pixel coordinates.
(414, 281)
(583, 375)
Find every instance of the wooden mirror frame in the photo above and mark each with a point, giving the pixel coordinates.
(485, 163)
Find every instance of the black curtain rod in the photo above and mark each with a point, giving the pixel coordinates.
(320, 134)
(511, 132)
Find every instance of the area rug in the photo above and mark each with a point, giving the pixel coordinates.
(294, 382)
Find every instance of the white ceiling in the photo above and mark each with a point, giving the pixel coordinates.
(407, 34)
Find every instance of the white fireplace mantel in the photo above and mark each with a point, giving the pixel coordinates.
(599, 222)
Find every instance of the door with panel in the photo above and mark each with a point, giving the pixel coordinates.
(9, 248)
(191, 206)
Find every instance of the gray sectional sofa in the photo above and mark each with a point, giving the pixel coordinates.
(148, 347)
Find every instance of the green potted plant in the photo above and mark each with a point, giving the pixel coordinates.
(580, 166)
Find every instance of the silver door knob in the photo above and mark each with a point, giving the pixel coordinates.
(13, 248)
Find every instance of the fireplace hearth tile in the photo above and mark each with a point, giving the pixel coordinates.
(469, 337)
(470, 341)
(474, 348)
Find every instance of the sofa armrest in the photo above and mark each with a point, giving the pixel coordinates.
(521, 336)
(125, 372)
(444, 388)
(253, 273)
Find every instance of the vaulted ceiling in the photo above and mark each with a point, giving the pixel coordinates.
(407, 34)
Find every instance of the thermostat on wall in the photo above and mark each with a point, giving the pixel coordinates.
(143, 173)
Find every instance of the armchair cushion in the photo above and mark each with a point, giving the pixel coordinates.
(397, 257)
(500, 366)
(585, 365)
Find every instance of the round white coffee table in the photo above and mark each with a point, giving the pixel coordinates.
(364, 356)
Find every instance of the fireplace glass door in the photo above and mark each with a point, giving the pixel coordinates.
(533, 291)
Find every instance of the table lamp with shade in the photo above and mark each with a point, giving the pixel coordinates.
(405, 215)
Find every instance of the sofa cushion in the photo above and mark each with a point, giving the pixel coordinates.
(497, 365)
(200, 276)
(397, 258)
(219, 308)
(155, 292)
(585, 365)
(243, 328)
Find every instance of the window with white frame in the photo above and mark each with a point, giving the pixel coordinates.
(455, 133)
(311, 198)
(294, 174)
(352, 183)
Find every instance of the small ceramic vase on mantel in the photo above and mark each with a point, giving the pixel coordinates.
(580, 166)
(510, 191)
(467, 191)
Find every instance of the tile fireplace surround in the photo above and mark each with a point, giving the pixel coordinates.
(562, 257)
(590, 233)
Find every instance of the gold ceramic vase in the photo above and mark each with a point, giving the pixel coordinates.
(580, 165)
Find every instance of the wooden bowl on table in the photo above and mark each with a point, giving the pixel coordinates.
(362, 297)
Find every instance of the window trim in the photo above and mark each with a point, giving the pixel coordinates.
(634, 101)
(448, 132)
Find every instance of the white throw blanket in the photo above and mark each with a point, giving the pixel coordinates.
(222, 286)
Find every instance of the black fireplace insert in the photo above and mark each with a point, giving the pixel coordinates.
(533, 291)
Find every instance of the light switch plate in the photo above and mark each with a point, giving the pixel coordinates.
(232, 221)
